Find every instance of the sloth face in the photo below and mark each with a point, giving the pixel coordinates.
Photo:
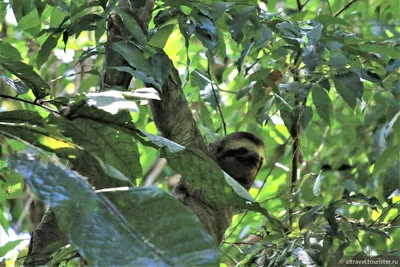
(241, 155)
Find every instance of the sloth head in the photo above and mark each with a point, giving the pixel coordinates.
(240, 154)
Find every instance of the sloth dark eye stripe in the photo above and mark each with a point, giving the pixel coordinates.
(233, 152)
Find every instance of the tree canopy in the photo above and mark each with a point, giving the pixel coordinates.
(317, 80)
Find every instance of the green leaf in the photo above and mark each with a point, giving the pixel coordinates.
(386, 159)
(310, 57)
(330, 20)
(22, 116)
(391, 49)
(238, 188)
(84, 23)
(309, 217)
(392, 65)
(59, 4)
(133, 27)
(9, 51)
(17, 85)
(9, 246)
(134, 56)
(239, 21)
(160, 37)
(42, 137)
(204, 174)
(11, 183)
(166, 15)
(119, 218)
(288, 118)
(323, 103)
(47, 47)
(3, 11)
(338, 61)
(349, 87)
(315, 33)
(220, 8)
(261, 37)
(26, 73)
(139, 75)
(206, 32)
(245, 52)
(30, 20)
(306, 116)
(113, 146)
(85, 5)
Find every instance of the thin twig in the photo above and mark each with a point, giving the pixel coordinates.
(300, 6)
(344, 8)
(216, 100)
(152, 174)
(383, 213)
(25, 211)
(29, 102)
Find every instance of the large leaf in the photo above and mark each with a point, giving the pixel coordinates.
(239, 22)
(43, 137)
(47, 47)
(160, 37)
(26, 73)
(17, 85)
(133, 27)
(205, 30)
(134, 56)
(322, 103)
(349, 87)
(113, 146)
(22, 116)
(391, 49)
(328, 20)
(137, 227)
(7, 50)
(30, 127)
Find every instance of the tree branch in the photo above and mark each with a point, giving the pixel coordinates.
(29, 102)
(216, 100)
(300, 6)
(344, 8)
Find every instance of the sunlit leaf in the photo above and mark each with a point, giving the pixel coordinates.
(160, 37)
(26, 73)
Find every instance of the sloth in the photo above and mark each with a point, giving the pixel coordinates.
(239, 154)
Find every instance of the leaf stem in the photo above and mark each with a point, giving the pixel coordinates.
(29, 102)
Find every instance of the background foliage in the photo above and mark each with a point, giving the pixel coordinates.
(318, 81)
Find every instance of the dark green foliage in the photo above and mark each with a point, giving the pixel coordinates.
(327, 79)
